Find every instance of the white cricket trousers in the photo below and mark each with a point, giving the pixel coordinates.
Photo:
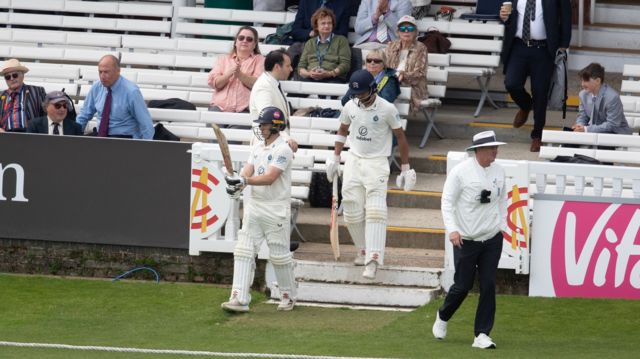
(364, 195)
(270, 221)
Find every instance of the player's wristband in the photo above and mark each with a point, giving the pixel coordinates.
(341, 139)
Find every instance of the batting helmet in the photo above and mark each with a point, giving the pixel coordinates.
(360, 82)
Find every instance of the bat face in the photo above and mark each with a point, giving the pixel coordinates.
(224, 148)
(333, 233)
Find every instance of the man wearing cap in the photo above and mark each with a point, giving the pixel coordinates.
(19, 103)
(55, 122)
(267, 215)
(474, 210)
(120, 107)
(370, 121)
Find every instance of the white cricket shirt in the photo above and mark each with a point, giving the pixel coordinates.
(279, 155)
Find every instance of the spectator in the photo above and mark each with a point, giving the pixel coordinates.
(267, 91)
(409, 57)
(303, 28)
(55, 122)
(327, 57)
(600, 109)
(234, 74)
(533, 34)
(119, 104)
(377, 20)
(20, 103)
(388, 85)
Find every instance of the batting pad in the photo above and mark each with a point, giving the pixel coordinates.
(243, 269)
(376, 228)
(283, 267)
(354, 218)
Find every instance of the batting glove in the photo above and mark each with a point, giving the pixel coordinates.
(333, 167)
(407, 178)
(234, 192)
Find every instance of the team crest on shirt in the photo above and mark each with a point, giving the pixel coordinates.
(269, 158)
(375, 118)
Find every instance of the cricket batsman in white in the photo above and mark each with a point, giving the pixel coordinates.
(267, 215)
(370, 123)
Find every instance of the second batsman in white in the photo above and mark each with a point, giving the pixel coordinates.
(370, 123)
(267, 215)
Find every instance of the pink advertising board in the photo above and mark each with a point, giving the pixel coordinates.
(585, 249)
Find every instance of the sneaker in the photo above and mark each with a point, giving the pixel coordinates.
(286, 304)
(439, 329)
(370, 270)
(235, 306)
(483, 341)
(360, 256)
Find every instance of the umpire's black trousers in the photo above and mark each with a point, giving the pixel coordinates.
(535, 62)
(485, 257)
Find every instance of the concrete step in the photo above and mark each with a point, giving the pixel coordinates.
(426, 194)
(613, 59)
(406, 227)
(394, 256)
(368, 295)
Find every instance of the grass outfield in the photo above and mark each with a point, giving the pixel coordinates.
(187, 316)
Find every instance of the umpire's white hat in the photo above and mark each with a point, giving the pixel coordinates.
(484, 139)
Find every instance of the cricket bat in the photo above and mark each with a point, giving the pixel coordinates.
(333, 233)
(224, 148)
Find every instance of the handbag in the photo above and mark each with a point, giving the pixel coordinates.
(435, 41)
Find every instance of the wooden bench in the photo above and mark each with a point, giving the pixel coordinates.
(627, 147)
(475, 51)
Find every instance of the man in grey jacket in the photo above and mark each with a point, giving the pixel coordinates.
(600, 110)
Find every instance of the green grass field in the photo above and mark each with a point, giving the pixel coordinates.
(187, 316)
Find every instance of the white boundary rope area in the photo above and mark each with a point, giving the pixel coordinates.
(169, 351)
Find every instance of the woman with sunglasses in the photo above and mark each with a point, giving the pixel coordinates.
(409, 57)
(233, 75)
(326, 57)
(19, 103)
(388, 86)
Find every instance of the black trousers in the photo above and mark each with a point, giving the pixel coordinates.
(483, 256)
(537, 64)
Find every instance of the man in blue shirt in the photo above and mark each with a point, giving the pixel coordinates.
(121, 110)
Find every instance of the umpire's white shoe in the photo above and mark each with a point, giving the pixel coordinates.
(360, 256)
(370, 270)
(235, 306)
(286, 304)
(439, 329)
(483, 341)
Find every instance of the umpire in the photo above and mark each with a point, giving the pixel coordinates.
(474, 209)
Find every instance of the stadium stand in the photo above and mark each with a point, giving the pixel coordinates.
(626, 152)
(631, 95)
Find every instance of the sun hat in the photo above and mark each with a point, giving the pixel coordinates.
(13, 65)
(484, 139)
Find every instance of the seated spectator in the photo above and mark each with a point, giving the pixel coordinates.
(388, 85)
(376, 22)
(303, 28)
(600, 106)
(19, 103)
(55, 122)
(118, 104)
(326, 57)
(409, 57)
(234, 74)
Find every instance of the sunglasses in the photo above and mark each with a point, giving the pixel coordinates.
(406, 28)
(374, 61)
(242, 38)
(11, 76)
(60, 105)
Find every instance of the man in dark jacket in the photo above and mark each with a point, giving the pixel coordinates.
(302, 29)
(19, 103)
(55, 122)
(535, 30)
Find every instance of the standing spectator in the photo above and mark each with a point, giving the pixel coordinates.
(388, 86)
(326, 57)
(533, 34)
(376, 22)
(20, 103)
(303, 28)
(600, 109)
(234, 74)
(409, 57)
(267, 91)
(118, 102)
(370, 122)
(474, 210)
(267, 215)
(55, 122)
